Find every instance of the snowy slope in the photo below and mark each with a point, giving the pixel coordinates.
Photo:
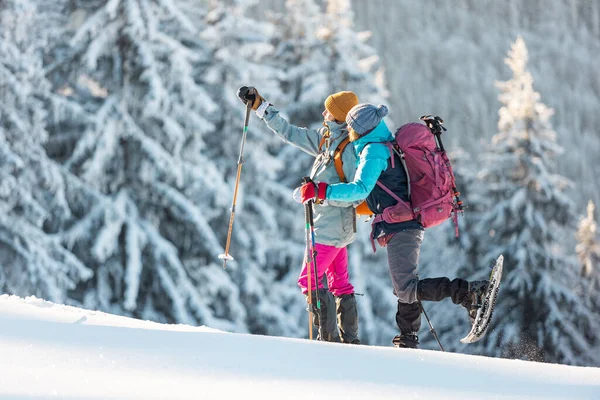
(50, 351)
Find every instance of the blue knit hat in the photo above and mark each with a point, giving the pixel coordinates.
(365, 117)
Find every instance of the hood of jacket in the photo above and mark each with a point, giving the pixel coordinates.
(380, 134)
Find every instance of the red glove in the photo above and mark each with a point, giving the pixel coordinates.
(311, 191)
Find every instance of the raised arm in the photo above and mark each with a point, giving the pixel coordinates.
(305, 139)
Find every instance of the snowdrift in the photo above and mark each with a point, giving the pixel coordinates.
(50, 351)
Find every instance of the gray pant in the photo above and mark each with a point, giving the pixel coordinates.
(403, 260)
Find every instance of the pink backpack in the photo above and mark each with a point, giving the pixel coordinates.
(432, 190)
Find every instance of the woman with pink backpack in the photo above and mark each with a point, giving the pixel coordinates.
(383, 185)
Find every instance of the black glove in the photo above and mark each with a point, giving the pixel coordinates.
(249, 95)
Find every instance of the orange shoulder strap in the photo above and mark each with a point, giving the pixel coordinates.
(322, 142)
(337, 159)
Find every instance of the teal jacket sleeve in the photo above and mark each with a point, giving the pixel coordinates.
(373, 160)
(305, 139)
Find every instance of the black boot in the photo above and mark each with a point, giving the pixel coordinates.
(408, 319)
(347, 318)
(328, 332)
(406, 341)
(473, 299)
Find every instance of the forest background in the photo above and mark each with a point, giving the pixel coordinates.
(120, 132)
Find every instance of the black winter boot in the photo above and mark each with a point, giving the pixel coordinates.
(473, 299)
(347, 318)
(408, 319)
(407, 341)
(328, 332)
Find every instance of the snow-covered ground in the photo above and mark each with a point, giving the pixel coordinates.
(51, 351)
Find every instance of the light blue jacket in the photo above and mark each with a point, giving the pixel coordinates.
(372, 161)
(335, 222)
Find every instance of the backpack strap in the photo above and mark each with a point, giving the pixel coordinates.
(388, 191)
(337, 159)
(390, 147)
(322, 142)
(337, 156)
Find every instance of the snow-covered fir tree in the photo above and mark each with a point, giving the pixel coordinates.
(149, 242)
(588, 252)
(353, 60)
(588, 245)
(529, 219)
(319, 53)
(33, 188)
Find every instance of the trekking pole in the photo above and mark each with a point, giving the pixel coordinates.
(314, 255)
(226, 257)
(307, 254)
(433, 332)
(435, 125)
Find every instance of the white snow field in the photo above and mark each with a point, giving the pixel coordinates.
(51, 351)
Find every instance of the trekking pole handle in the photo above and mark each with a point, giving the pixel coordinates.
(306, 180)
(436, 126)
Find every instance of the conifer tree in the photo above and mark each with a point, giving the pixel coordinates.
(588, 252)
(34, 202)
(319, 53)
(539, 314)
(588, 247)
(135, 67)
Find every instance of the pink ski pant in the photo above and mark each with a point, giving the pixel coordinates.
(333, 262)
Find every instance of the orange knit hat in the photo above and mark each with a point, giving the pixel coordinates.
(338, 104)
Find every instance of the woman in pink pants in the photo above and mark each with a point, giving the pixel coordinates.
(334, 222)
(333, 262)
